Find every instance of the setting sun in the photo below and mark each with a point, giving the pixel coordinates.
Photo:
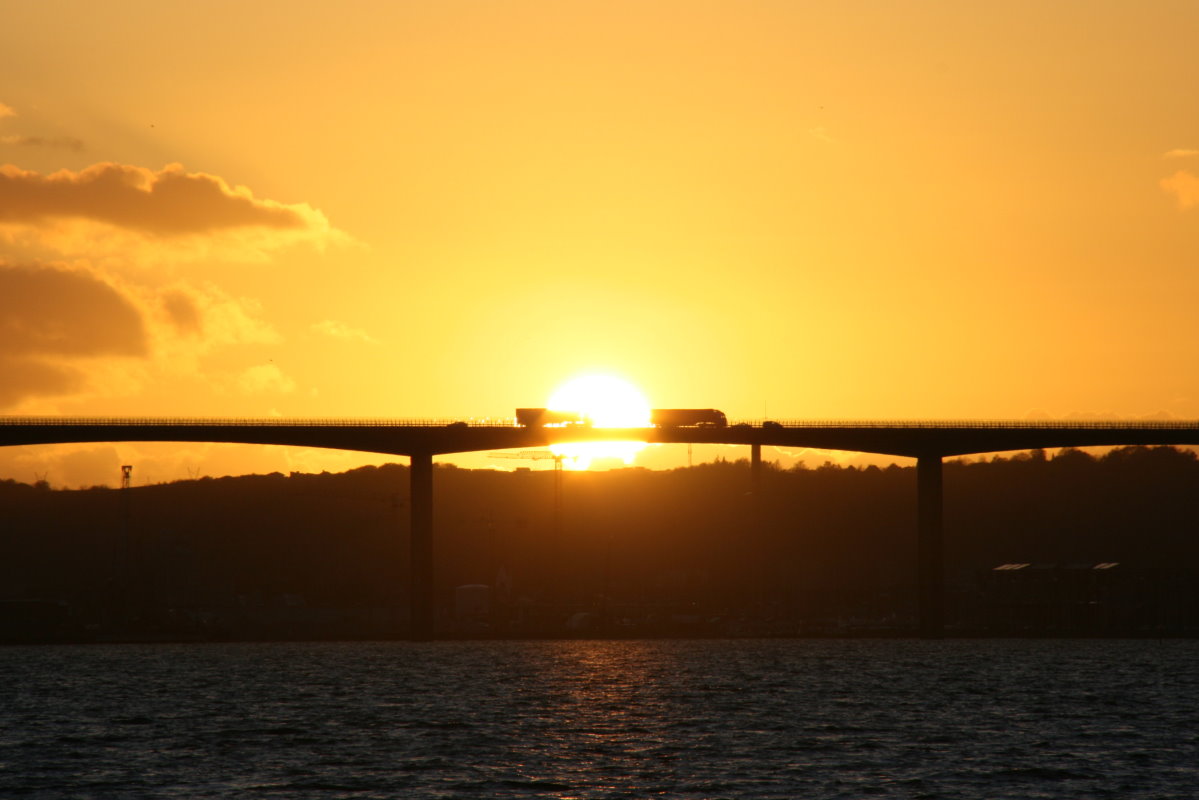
(606, 402)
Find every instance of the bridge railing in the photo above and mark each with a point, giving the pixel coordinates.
(996, 424)
(501, 422)
(224, 422)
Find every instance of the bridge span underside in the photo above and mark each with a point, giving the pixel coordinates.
(908, 439)
(927, 442)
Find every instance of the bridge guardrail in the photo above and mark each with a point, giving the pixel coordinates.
(216, 422)
(1004, 424)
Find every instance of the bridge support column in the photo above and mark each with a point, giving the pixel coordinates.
(930, 548)
(766, 585)
(421, 606)
(755, 468)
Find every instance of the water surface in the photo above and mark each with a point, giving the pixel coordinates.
(619, 719)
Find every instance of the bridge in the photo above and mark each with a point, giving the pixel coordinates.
(420, 440)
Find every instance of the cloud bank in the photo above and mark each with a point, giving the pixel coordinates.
(124, 313)
(69, 332)
(166, 203)
(52, 321)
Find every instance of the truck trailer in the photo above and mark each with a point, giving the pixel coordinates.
(688, 418)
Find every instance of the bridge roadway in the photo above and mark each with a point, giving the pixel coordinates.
(928, 442)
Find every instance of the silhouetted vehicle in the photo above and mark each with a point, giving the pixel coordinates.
(688, 418)
(771, 425)
(540, 417)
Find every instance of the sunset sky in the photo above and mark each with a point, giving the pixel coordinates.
(809, 210)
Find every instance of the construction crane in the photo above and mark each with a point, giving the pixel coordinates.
(533, 455)
(540, 455)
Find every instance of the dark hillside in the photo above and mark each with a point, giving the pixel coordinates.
(683, 551)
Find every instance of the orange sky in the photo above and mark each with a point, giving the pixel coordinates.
(824, 210)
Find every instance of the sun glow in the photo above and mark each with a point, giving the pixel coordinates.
(606, 402)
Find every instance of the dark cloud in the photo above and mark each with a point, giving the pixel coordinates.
(57, 312)
(22, 377)
(51, 317)
(169, 202)
(182, 311)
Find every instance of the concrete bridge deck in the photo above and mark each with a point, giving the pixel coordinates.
(913, 439)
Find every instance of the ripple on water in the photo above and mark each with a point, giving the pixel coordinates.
(903, 719)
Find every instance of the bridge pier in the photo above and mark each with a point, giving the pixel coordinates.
(755, 467)
(930, 548)
(421, 605)
(757, 531)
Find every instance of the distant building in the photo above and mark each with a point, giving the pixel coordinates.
(1101, 598)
